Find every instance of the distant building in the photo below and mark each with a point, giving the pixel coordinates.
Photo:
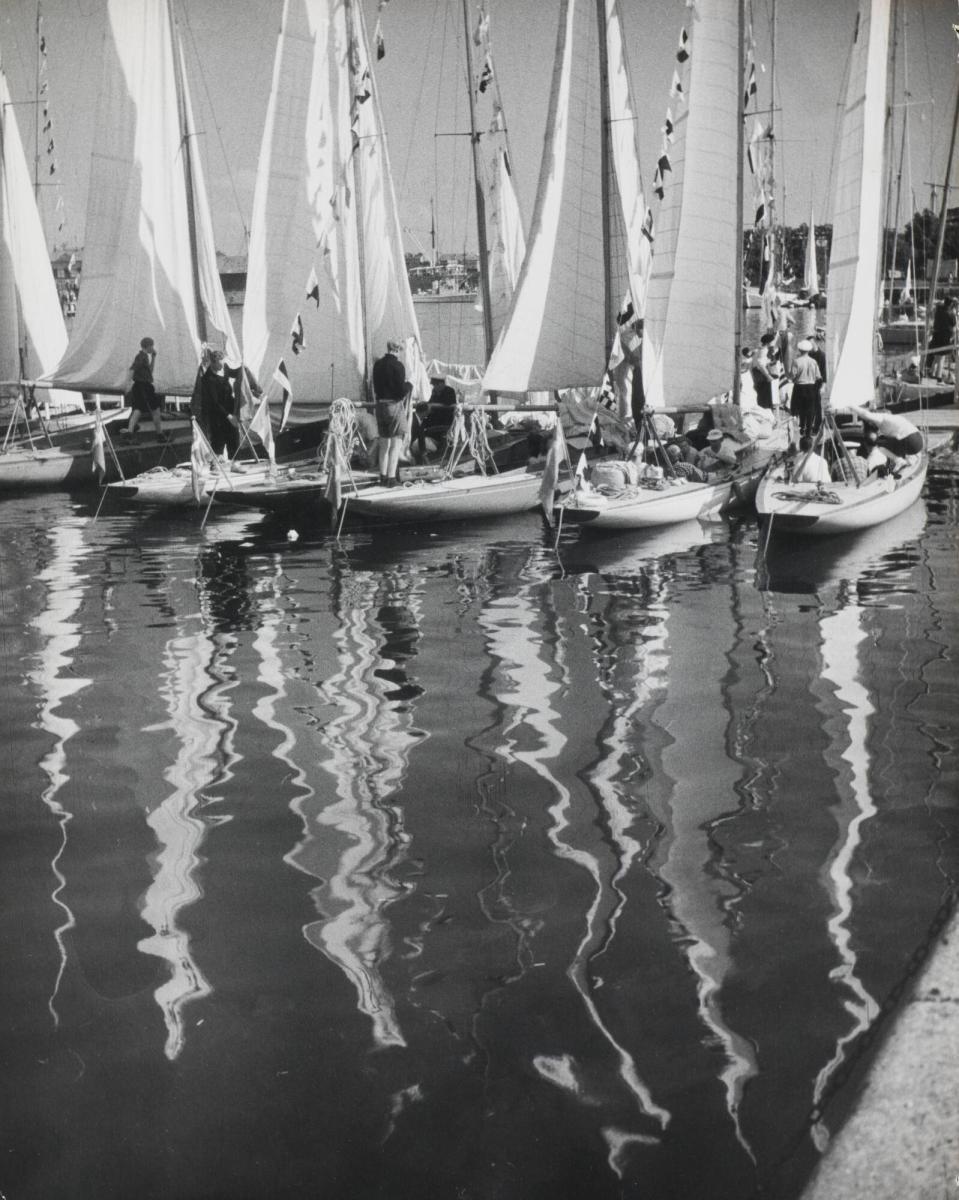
(66, 275)
(232, 272)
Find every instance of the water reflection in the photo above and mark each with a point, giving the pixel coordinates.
(178, 825)
(698, 793)
(612, 850)
(534, 634)
(353, 845)
(59, 627)
(843, 639)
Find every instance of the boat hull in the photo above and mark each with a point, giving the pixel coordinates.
(70, 466)
(173, 486)
(804, 508)
(465, 497)
(644, 508)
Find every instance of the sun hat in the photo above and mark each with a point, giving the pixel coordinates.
(805, 344)
(714, 435)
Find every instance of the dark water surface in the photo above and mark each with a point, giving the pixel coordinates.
(427, 865)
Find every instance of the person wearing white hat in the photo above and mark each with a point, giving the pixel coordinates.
(807, 380)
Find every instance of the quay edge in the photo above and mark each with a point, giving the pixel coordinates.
(902, 1136)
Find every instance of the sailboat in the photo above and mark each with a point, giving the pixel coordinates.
(146, 174)
(585, 253)
(848, 503)
(32, 331)
(810, 269)
(468, 483)
(691, 352)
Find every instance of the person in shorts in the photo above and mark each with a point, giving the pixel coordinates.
(391, 392)
(142, 394)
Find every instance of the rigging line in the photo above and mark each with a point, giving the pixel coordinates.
(216, 125)
(837, 123)
(424, 74)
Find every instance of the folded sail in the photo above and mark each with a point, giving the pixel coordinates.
(691, 302)
(810, 272)
(149, 262)
(32, 332)
(557, 332)
(323, 155)
(853, 285)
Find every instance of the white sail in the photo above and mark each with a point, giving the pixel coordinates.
(629, 190)
(556, 334)
(324, 204)
(810, 271)
(149, 263)
(32, 333)
(507, 244)
(691, 302)
(853, 285)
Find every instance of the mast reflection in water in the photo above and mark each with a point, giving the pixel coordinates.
(436, 863)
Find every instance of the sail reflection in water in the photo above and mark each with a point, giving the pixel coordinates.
(185, 684)
(524, 631)
(59, 628)
(352, 844)
(843, 642)
(425, 862)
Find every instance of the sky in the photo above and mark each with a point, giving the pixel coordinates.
(230, 44)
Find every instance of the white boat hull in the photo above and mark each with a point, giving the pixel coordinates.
(837, 507)
(464, 497)
(173, 486)
(672, 500)
(643, 508)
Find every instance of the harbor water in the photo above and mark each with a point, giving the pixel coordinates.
(440, 863)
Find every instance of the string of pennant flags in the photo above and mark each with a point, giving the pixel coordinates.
(46, 124)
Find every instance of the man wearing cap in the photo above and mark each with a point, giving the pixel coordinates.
(807, 382)
(390, 390)
(717, 453)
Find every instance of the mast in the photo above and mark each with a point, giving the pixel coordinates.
(610, 304)
(36, 116)
(738, 287)
(775, 257)
(186, 150)
(358, 192)
(480, 198)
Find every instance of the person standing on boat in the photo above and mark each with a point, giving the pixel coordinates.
(942, 336)
(818, 352)
(761, 373)
(142, 394)
(896, 433)
(214, 404)
(391, 392)
(807, 382)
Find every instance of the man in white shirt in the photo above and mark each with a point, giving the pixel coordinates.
(812, 467)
